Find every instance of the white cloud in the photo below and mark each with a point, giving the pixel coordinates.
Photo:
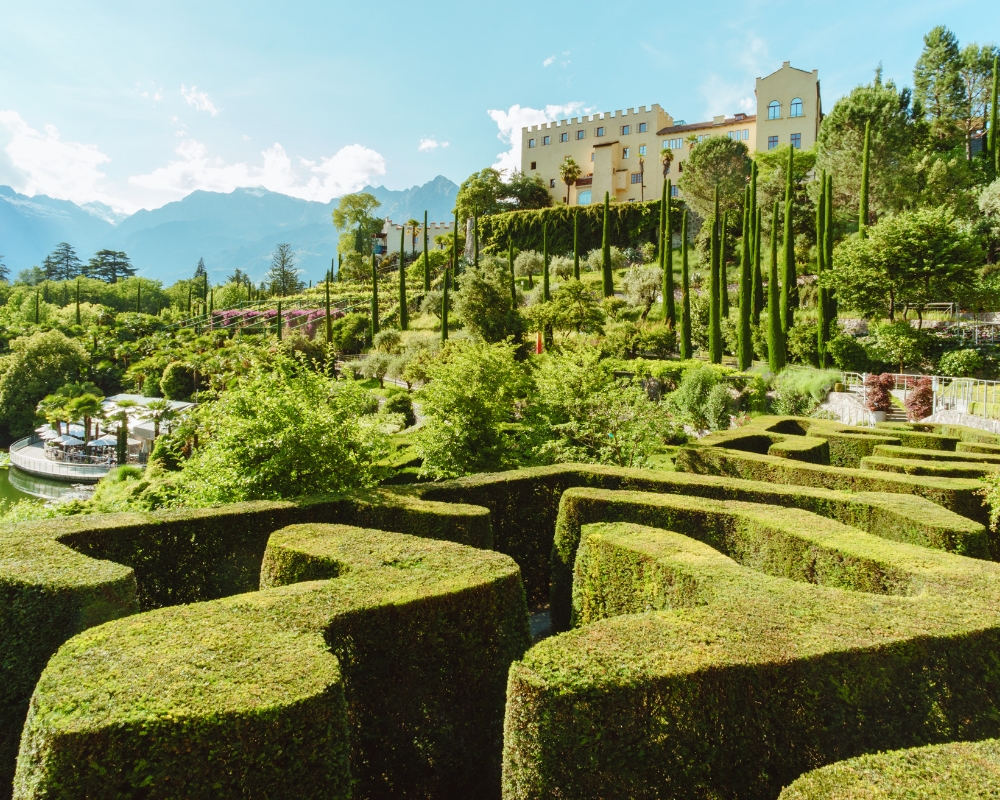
(246, 138)
(198, 100)
(725, 95)
(511, 121)
(47, 164)
(348, 170)
(549, 61)
(426, 145)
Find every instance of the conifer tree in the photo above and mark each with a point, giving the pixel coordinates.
(576, 243)
(775, 335)
(37, 309)
(667, 258)
(444, 306)
(510, 269)
(607, 277)
(78, 302)
(404, 319)
(340, 265)
(454, 255)
(789, 288)
(546, 294)
(821, 301)
(278, 319)
(374, 325)
(475, 240)
(427, 261)
(714, 292)
(745, 349)
(831, 298)
(138, 297)
(723, 272)
(329, 321)
(865, 179)
(758, 278)
(992, 151)
(685, 291)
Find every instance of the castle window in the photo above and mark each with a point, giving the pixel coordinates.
(546, 140)
(626, 130)
(636, 177)
(624, 152)
(772, 142)
(583, 198)
(796, 108)
(600, 131)
(531, 142)
(642, 149)
(581, 134)
(552, 183)
(675, 191)
(797, 141)
(642, 127)
(774, 110)
(534, 165)
(563, 137)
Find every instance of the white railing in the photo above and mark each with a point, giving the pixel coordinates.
(965, 395)
(62, 470)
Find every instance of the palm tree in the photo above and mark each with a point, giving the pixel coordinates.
(120, 414)
(666, 158)
(642, 178)
(87, 407)
(414, 226)
(159, 412)
(52, 408)
(569, 171)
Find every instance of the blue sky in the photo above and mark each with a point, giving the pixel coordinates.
(136, 104)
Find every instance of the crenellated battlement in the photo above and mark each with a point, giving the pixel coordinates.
(654, 109)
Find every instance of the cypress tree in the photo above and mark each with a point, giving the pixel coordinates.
(758, 277)
(278, 318)
(775, 336)
(189, 299)
(865, 178)
(576, 245)
(546, 295)
(404, 318)
(608, 278)
(138, 298)
(821, 302)
(427, 261)
(78, 302)
(667, 259)
(745, 349)
(329, 321)
(444, 307)
(340, 265)
(510, 268)
(723, 273)
(789, 288)
(715, 295)
(831, 299)
(211, 301)
(994, 141)
(454, 261)
(685, 291)
(374, 325)
(37, 309)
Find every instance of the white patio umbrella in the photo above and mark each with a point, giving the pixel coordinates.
(42, 429)
(104, 441)
(68, 441)
(49, 435)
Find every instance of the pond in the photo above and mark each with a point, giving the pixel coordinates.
(16, 485)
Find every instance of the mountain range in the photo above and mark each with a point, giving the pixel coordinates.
(234, 230)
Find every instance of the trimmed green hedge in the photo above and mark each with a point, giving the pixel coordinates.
(978, 447)
(700, 673)
(61, 576)
(914, 434)
(958, 495)
(943, 456)
(924, 467)
(384, 674)
(802, 448)
(630, 225)
(902, 518)
(935, 772)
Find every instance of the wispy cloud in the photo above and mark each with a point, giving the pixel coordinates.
(516, 117)
(45, 163)
(724, 95)
(426, 145)
(346, 171)
(198, 100)
(549, 61)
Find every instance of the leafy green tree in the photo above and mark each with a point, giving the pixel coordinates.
(569, 171)
(327, 440)
(899, 343)
(36, 365)
(937, 84)
(283, 276)
(716, 162)
(469, 403)
(480, 194)
(898, 132)
(483, 306)
(913, 258)
(642, 286)
(575, 307)
(524, 192)
(354, 216)
(177, 381)
(976, 75)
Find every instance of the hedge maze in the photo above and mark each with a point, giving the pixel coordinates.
(804, 609)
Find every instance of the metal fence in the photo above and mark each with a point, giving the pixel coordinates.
(65, 470)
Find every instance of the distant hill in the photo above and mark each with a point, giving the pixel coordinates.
(230, 231)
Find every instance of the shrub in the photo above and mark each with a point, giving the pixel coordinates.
(177, 382)
(802, 344)
(388, 341)
(877, 391)
(691, 398)
(719, 406)
(961, 363)
(400, 403)
(848, 353)
(920, 399)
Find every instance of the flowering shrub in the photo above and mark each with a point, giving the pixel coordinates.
(920, 399)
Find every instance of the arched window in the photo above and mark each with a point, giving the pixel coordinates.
(774, 110)
(796, 109)
(583, 198)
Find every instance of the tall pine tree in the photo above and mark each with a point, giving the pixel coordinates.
(715, 293)
(607, 277)
(404, 318)
(745, 346)
(789, 289)
(775, 334)
(686, 351)
(667, 258)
